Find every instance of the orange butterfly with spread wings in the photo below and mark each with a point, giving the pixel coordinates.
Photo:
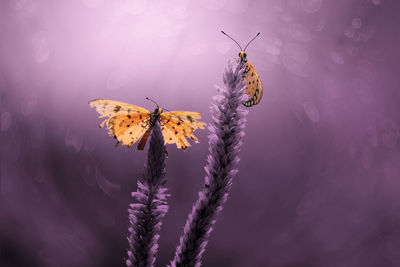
(253, 83)
(129, 123)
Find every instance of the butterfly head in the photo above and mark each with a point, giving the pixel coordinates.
(243, 56)
(155, 115)
(158, 111)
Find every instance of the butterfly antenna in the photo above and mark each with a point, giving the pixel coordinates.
(166, 109)
(251, 41)
(233, 40)
(153, 102)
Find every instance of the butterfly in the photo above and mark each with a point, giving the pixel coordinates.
(129, 123)
(253, 82)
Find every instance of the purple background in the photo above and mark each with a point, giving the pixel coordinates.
(319, 176)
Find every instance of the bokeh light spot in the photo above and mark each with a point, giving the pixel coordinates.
(311, 6)
(390, 133)
(105, 185)
(349, 32)
(213, 4)
(320, 24)
(177, 9)
(87, 173)
(136, 7)
(73, 139)
(17, 4)
(93, 3)
(376, 2)
(337, 57)
(5, 121)
(296, 52)
(24, 8)
(300, 32)
(198, 49)
(42, 55)
(356, 23)
(296, 67)
(40, 39)
(237, 6)
(311, 111)
(29, 104)
(273, 46)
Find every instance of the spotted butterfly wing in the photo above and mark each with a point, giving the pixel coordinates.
(126, 123)
(253, 85)
(177, 125)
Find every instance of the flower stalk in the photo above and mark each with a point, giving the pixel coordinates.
(149, 206)
(225, 140)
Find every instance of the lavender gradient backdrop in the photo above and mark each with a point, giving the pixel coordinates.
(319, 180)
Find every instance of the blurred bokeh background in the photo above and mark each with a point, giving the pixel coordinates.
(319, 177)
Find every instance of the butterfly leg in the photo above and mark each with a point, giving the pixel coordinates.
(166, 152)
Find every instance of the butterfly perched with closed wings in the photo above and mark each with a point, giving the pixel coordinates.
(253, 82)
(129, 123)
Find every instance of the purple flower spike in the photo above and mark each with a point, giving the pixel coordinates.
(149, 206)
(226, 132)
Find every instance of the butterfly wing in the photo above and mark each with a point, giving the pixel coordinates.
(127, 123)
(177, 125)
(143, 140)
(253, 86)
(110, 108)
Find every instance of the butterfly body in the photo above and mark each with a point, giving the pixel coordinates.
(155, 116)
(252, 81)
(129, 123)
